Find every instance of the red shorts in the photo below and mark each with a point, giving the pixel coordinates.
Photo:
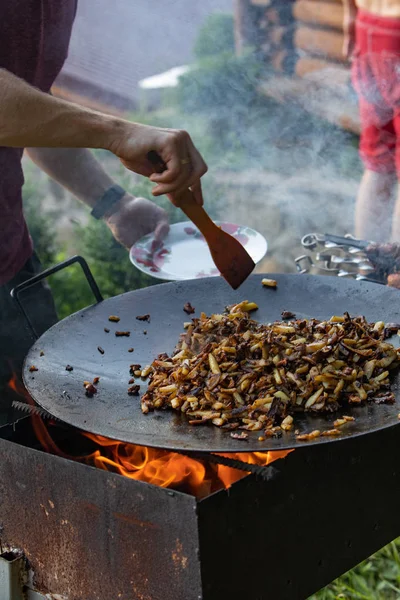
(376, 78)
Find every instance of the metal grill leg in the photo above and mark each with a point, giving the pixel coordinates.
(11, 577)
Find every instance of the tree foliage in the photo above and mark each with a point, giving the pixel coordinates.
(215, 36)
(43, 234)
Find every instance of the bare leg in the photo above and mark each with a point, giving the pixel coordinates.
(374, 207)
(396, 219)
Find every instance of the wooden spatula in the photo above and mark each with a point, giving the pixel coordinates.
(231, 259)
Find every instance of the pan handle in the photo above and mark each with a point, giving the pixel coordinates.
(15, 292)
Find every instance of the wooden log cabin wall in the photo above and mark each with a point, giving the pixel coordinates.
(301, 41)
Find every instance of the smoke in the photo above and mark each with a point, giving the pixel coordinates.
(274, 164)
(285, 171)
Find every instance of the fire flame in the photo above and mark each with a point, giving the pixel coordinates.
(171, 469)
(158, 467)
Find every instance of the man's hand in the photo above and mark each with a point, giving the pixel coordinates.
(184, 165)
(79, 171)
(393, 280)
(135, 217)
(349, 28)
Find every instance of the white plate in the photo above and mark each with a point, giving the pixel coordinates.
(184, 253)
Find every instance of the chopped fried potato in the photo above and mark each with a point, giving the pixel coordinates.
(235, 373)
(346, 418)
(269, 283)
(308, 436)
(330, 432)
(287, 423)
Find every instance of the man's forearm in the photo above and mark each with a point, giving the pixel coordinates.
(75, 169)
(31, 118)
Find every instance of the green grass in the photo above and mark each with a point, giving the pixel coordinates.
(377, 578)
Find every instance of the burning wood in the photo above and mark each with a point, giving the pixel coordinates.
(233, 372)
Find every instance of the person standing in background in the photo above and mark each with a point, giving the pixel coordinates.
(372, 42)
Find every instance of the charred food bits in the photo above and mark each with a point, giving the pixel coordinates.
(189, 309)
(143, 318)
(90, 388)
(238, 374)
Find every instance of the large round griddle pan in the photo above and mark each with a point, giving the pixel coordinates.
(115, 414)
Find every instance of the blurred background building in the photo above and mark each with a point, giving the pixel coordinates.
(116, 44)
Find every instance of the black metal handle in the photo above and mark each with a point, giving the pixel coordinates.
(267, 472)
(156, 161)
(15, 292)
(347, 241)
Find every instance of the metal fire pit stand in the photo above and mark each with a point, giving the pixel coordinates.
(90, 534)
(12, 571)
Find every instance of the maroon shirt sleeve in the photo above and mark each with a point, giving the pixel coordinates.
(34, 39)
